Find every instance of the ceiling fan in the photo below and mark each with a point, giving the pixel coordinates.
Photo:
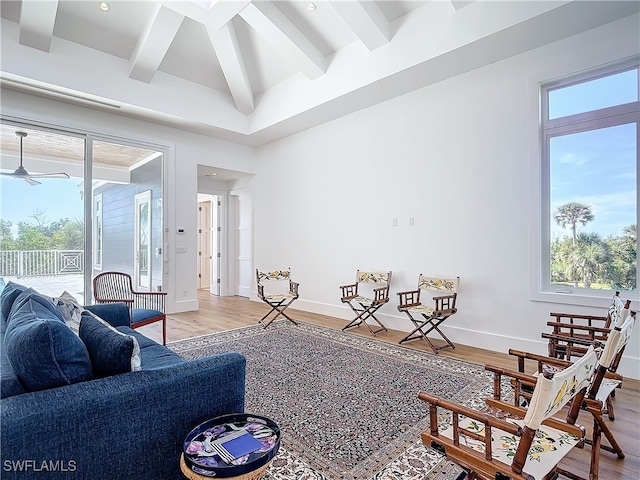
(21, 173)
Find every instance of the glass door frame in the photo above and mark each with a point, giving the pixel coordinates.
(89, 137)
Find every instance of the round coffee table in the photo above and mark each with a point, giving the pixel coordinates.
(191, 475)
(237, 446)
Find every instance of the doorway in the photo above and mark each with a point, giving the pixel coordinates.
(209, 251)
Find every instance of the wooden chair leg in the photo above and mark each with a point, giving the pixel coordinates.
(595, 451)
(610, 412)
(357, 320)
(361, 318)
(418, 333)
(600, 427)
(279, 308)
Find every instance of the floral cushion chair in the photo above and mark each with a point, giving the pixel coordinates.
(363, 305)
(428, 318)
(597, 399)
(271, 293)
(518, 447)
(572, 333)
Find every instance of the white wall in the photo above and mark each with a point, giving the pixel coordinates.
(457, 156)
(185, 151)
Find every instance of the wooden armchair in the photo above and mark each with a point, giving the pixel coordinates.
(528, 445)
(598, 396)
(611, 378)
(278, 300)
(145, 307)
(572, 333)
(427, 318)
(365, 306)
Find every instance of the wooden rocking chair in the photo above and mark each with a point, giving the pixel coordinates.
(527, 446)
(363, 306)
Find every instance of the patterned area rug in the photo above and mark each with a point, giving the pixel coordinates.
(347, 405)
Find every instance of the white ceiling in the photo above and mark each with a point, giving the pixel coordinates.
(256, 71)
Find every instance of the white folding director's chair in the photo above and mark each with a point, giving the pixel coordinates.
(427, 318)
(365, 307)
(278, 300)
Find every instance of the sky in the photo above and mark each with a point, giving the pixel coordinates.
(597, 167)
(586, 168)
(56, 197)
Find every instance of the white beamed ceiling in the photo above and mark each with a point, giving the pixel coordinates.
(255, 71)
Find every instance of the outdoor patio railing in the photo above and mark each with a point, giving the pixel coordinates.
(40, 263)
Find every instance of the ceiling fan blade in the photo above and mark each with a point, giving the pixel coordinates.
(30, 181)
(49, 175)
(22, 173)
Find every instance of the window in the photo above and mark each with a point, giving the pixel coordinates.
(589, 201)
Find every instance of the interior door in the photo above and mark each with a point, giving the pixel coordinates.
(204, 244)
(142, 243)
(216, 256)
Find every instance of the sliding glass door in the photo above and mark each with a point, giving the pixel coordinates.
(62, 222)
(127, 203)
(42, 241)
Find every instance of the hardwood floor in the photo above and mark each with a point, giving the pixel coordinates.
(224, 313)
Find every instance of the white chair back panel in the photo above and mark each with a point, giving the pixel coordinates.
(550, 395)
(615, 311)
(274, 275)
(379, 278)
(435, 284)
(617, 339)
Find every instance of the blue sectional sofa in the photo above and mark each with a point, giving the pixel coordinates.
(98, 425)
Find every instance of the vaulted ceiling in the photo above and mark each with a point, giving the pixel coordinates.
(255, 71)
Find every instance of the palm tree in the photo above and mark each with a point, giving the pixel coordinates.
(571, 214)
(587, 261)
(631, 232)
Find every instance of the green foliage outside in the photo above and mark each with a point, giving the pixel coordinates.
(45, 240)
(38, 234)
(589, 261)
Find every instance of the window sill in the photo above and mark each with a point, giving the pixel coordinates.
(574, 297)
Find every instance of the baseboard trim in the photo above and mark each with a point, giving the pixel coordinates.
(185, 306)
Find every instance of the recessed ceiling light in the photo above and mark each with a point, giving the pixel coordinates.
(212, 174)
(104, 6)
(311, 6)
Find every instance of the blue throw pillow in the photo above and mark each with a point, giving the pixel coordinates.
(43, 352)
(31, 294)
(9, 293)
(111, 352)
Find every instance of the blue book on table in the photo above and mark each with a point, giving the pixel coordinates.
(242, 445)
